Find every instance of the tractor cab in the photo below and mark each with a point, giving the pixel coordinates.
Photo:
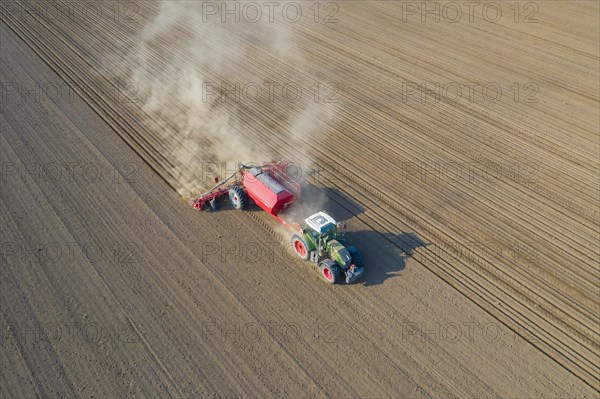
(321, 225)
(322, 230)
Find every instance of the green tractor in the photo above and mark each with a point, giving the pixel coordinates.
(320, 242)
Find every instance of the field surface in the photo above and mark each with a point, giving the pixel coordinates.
(461, 147)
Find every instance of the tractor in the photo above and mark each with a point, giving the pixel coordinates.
(320, 242)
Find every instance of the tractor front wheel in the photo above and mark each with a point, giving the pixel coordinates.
(330, 271)
(301, 247)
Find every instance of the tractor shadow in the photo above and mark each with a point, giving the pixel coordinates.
(384, 254)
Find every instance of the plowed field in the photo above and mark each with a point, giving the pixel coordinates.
(458, 141)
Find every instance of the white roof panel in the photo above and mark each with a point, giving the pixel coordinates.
(319, 220)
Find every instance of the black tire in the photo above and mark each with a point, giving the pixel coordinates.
(300, 246)
(330, 271)
(238, 197)
(356, 256)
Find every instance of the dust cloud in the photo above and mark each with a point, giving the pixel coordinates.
(226, 92)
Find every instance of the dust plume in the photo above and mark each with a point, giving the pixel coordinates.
(219, 92)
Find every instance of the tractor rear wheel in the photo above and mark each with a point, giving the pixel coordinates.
(238, 197)
(330, 271)
(301, 246)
